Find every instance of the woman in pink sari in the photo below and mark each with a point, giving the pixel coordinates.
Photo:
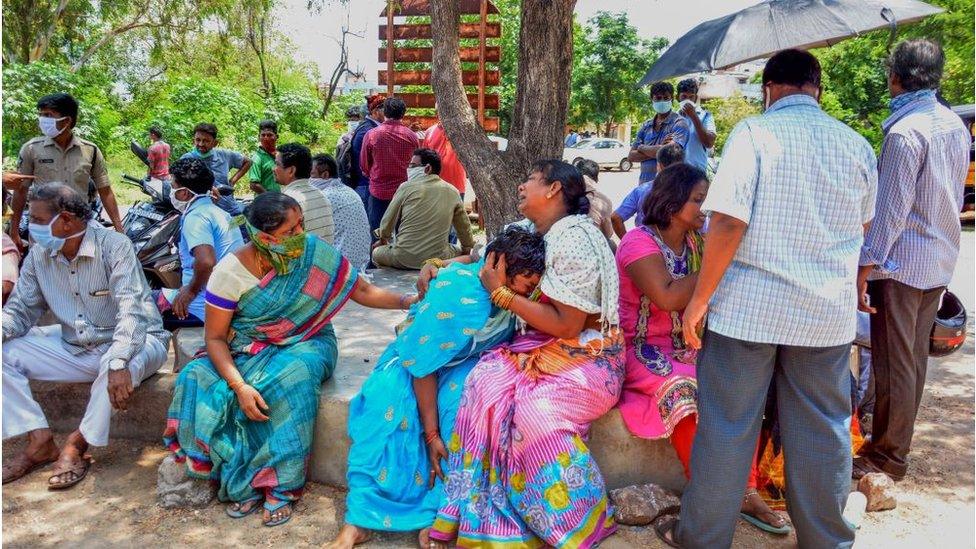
(519, 472)
(658, 264)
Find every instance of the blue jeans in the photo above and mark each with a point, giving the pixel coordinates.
(813, 391)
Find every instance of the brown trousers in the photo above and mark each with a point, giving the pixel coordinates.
(900, 331)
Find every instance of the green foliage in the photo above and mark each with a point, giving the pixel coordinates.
(25, 84)
(727, 112)
(610, 60)
(855, 81)
(209, 72)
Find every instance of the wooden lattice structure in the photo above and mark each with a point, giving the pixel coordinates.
(418, 53)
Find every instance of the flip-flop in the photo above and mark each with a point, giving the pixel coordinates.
(80, 471)
(765, 526)
(665, 527)
(238, 514)
(35, 465)
(272, 508)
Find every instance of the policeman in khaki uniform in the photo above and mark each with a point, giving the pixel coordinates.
(60, 156)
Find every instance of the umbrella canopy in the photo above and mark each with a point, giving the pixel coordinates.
(764, 29)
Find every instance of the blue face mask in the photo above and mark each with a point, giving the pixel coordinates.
(43, 237)
(662, 107)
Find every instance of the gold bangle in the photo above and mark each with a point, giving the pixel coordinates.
(503, 296)
(236, 385)
(436, 262)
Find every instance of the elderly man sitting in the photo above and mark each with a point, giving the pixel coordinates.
(109, 333)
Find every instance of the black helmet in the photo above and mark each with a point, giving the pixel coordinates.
(949, 330)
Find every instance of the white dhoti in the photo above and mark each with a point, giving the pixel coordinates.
(41, 355)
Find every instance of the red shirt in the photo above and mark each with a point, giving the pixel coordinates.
(386, 153)
(451, 169)
(159, 157)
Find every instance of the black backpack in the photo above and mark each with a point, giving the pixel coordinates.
(344, 159)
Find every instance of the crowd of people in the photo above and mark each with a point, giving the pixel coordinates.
(731, 291)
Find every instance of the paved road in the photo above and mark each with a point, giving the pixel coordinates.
(616, 185)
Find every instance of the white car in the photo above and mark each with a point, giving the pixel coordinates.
(608, 153)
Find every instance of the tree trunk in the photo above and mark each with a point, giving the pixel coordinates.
(541, 100)
(43, 41)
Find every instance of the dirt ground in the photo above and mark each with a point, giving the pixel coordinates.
(116, 505)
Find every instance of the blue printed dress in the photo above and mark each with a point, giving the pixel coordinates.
(388, 464)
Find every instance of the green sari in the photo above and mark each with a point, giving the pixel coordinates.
(283, 346)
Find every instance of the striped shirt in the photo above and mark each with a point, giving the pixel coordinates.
(99, 297)
(316, 209)
(923, 165)
(805, 184)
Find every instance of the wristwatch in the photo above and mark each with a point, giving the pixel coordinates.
(116, 364)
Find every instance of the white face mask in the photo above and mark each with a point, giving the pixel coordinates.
(49, 126)
(415, 172)
(181, 205)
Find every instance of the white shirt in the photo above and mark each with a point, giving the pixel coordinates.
(805, 184)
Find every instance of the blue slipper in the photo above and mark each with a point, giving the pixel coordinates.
(237, 513)
(765, 526)
(271, 509)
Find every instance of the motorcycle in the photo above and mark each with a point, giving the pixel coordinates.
(153, 226)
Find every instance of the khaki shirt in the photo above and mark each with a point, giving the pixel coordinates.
(80, 161)
(421, 215)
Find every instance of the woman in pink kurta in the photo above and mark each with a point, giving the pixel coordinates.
(658, 264)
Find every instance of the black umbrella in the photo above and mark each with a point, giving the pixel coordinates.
(764, 29)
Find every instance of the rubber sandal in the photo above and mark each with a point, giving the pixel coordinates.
(30, 469)
(665, 527)
(765, 526)
(279, 522)
(238, 514)
(80, 472)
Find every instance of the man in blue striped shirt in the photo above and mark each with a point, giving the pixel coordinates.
(910, 251)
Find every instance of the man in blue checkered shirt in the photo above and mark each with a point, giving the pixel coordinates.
(666, 127)
(789, 207)
(911, 250)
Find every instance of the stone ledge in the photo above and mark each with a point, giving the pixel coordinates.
(363, 334)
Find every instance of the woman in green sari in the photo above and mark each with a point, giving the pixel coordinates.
(243, 413)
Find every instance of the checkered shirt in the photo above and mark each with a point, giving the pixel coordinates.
(805, 183)
(387, 150)
(923, 166)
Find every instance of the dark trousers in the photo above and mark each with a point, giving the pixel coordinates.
(363, 192)
(375, 209)
(813, 392)
(452, 236)
(900, 333)
(171, 322)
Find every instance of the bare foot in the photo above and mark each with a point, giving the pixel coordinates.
(754, 505)
(279, 516)
(348, 537)
(426, 542)
(40, 451)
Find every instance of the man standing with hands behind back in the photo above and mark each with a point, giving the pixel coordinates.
(61, 156)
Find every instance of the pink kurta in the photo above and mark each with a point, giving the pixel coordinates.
(659, 389)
